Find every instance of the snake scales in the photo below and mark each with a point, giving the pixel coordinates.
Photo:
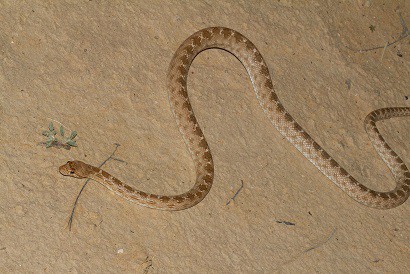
(250, 57)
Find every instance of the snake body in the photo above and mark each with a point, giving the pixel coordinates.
(237, 44)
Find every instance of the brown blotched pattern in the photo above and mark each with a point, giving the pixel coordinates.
(250, 57)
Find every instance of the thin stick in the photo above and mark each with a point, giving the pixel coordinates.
(384, 50)
(70, 221)
(322, 243)
(379, 47)
(236, 194)
(405, 33)
(285, 222)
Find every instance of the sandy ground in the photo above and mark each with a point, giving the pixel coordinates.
(99, 68)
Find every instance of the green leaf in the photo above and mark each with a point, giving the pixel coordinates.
(50, 138)
(48, 143)
(46, 133)
(61, 130)
(50, 126)
(71, 143)
(73, 134)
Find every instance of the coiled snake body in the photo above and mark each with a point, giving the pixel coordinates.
(250, 57)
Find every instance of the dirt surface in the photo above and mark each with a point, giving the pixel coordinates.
(99, 68)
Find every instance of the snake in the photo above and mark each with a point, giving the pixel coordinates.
(250, 57)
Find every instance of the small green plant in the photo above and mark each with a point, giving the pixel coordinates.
(52, 140)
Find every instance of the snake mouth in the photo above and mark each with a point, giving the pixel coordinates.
(67, 170)
(63, 170)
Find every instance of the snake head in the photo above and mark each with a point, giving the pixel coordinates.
(76, 169)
